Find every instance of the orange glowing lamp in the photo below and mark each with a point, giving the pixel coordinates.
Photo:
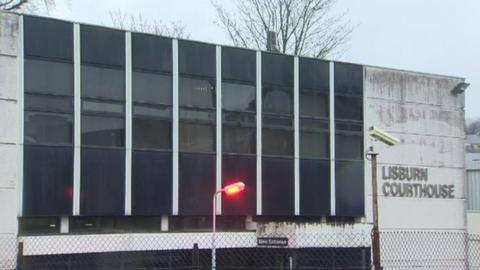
(234, 188)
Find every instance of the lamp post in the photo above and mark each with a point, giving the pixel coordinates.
(375, 232)
(390, 140)
(230, 190)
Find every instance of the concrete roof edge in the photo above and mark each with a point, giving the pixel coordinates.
(417, 72)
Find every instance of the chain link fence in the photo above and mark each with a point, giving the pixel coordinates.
(243, 250)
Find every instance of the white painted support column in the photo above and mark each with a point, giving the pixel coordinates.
(128, 123)
(164, 224)
(218, 183)
(77, 100)
(259, 132)
(332, 139)
(64, 224)
(21, 117)
(175, 120)
(296, 140)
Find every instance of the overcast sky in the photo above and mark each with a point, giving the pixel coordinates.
(434, 36)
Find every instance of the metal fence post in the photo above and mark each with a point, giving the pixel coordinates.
(20, 257)
(195, 257)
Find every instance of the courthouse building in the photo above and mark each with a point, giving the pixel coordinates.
(108, 131)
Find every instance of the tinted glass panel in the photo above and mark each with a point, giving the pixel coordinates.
(277, 100)
(95, 225)
(151, 52)
(314, 124)
(277, 69)
(48, 103)
(348, 146)
(103, 83)
(48, 77)
(48, 38)
(102, 107)
(102, 46)
(151, 133)
(238, 64)
(348, 79)
(349, 188)
(240, 168)
(197, 92)
(277, 187)
(348, 126)
(48, 179)
(238, 139)
(314, 145)
(38, 225)
(314, 105)
(277, 142)
(196, 58)
(284, 122)
(197, 137)
(238, 97)
(48, 128)
(151, 183)
(348, 108)
(152, 111)
(103, 131)
(103, 182)
(314, 74)
(205, 116)
(239, 119)
(314, 187)
(196, 183)
(152, 88)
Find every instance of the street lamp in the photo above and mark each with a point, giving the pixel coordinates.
(390, 140)
(230, 190)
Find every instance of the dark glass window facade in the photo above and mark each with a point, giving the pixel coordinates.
(239, 129)
(103, 86)
(197, 127)
(49, 122)
(314, 96)
(102, 54)
(277, 135)
(48, 117)
(349, 153)
(151, 125)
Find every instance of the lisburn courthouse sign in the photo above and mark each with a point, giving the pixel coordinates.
(399, 181)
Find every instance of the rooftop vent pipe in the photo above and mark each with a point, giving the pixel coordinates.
(272, 41)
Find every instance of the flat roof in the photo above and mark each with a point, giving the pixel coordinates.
(233, 46)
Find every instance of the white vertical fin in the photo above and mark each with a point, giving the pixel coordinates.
(175, 128)
(332, 140)
(296, 121)
(259, 133)
(77, 118)
(218, 178)
(128, 123)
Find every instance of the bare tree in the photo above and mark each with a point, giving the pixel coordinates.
(473, 126)
(29, 6)
(138, 23)
(302, 27)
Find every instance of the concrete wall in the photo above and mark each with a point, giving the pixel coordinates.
(421, 111)
(9, 134)
(473, 178)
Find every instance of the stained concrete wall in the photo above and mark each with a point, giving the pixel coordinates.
(421, 111)
(9, 135)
